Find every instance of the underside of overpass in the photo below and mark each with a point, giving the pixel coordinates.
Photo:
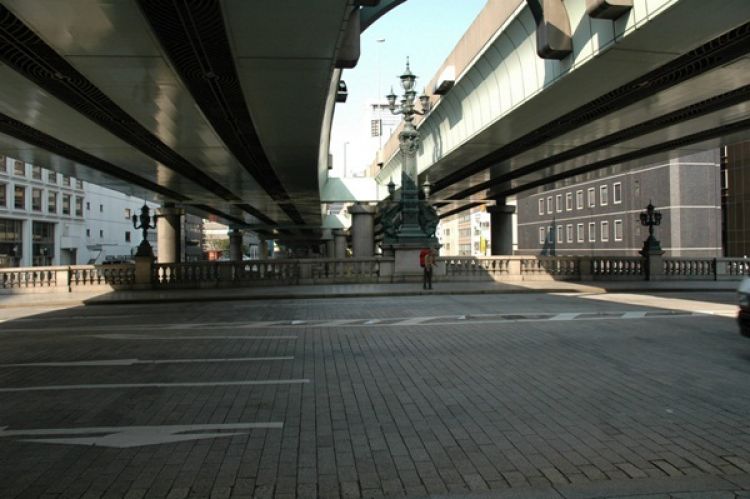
(222, 106)
(665, 78)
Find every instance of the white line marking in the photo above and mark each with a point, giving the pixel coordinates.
(132, 362)
(136, 436)
(297, 323)
(104, 386)
(634, 315)
(461, 317)
(371, 322)
(564, 317)
(414, 321)
(188, 337)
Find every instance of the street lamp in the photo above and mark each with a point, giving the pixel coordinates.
(410, 229)
(650, 218)
(146, 222)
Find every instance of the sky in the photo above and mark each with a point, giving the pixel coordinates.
(426, 31)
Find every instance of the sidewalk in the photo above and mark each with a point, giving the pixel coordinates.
(356, 291)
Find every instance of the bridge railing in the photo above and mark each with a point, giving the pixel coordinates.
(360, 270)
(66, 278)
(266, 272)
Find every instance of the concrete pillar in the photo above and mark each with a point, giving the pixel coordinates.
(168, 233)
(235, 245)
(363, 229)
(339, 238)
(501, 228)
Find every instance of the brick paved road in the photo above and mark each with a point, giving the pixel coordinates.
(498, 395)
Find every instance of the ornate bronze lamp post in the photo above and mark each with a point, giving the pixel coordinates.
(651, 251)
(414, 221)
(146, 222)
(650, 218)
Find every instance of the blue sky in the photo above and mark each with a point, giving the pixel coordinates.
(426, 31)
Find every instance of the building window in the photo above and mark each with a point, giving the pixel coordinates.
(43, 243)
(36, 199)
(542, 235)
(88, 232)
(569, 233)
(101, 208)
(52, 177)
(604, 231)
(19, 198)
(129, 213)
(618, 230)
(66, 180)
(592, 197)
(541, 206)
(127, 236)
(79, 206)
(592, 232)
(79, 184)
(19, 168)
(549, 204)
(579, 233)
(66, 204)
(603, 195)
(88, 206)
(36, 172)
(559, 233)
(101, 233)
(51, 202)
(558, 203)
(568, 201)
(3, 196)
(3, 168)
(617, 193)
(579, 200)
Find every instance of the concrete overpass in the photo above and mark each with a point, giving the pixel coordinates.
(546, 90)
(221, 106)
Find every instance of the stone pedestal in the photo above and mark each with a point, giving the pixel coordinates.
(406, 260)
(501, 229)
(168, 233)
(235, 245)
(143, 269)
(654, 265)
(363, 230)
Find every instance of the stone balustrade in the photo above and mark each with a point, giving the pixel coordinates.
(358, 270)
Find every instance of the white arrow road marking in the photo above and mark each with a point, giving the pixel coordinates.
(135, 436)
(189, 337)
(132, 362)
(104, 386)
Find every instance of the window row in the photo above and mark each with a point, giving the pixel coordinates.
(550, 234)
(37, 199)
(38, 173)
(127, 238)
(547, 206)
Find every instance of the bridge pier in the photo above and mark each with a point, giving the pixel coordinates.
(235, 245)
(501, 229)
(339, 241)
(363, 229)
(168, 233)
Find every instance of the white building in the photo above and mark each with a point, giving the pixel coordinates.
(47, 218)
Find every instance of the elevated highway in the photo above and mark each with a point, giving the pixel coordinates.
(221, 106)
(663, 77)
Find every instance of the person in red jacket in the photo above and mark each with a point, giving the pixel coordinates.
(427, 262)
